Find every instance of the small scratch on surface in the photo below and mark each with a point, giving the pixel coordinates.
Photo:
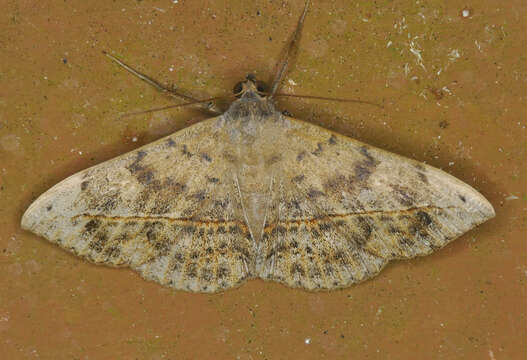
(415, 49)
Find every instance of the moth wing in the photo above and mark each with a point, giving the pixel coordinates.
(166, 209)
(342, 209)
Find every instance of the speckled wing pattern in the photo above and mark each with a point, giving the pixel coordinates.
(340, 210)
(252, 193)
(166, 210)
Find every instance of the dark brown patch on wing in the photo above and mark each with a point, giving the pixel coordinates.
(318, 150)
(298, 178)
(205, 157)
(403, 195)
(185, 151)
(301, 155)
(84, 185)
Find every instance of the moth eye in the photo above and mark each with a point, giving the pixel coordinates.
(237, 88)
(261, 86)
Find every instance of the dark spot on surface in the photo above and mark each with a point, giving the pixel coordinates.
(99, 240)
(314, 193)
(403, 195)
(394, 230)
(406, 242)
(340, 223)
(309, 250)
(229, 157)
(49, 207)
(318, 150)
(324, 226)
(171, 143)
(209, 250)
(205, 157)
(194, 254)
(362, 237)
(108, 202)
(274, 159)
(112, 252)
(186, 152)
(438, 93)
(221, 230)
(332, 140)
(285, 112)
(213, 180)
(294, 244)
(234, 229)
(84, 185)
(328, 268)
(422, 177)
(145, 177)
(340, 257)
(443, 124)
(362, 172)
(206, 274)
(64, 60)
(462, 198)
(191, 270)
(314, 233)
(223, 272)
(188, 229)
(280, 229)
(210, 231)
(369, 159)
(297, 268)
(91, 226)
(301, 156)
(298, 178)
(423, 218)
(200, 195)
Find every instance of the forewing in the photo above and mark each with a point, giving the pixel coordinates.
(168, 210)
(342, 209)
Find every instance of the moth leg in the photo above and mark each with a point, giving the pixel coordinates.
(289, 53)
(172, 92)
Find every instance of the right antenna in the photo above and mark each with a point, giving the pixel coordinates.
(289, 53)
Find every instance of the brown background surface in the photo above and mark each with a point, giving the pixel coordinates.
(461, 107)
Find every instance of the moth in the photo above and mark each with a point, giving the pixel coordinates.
(253, 193)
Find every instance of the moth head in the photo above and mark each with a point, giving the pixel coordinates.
(250, 85)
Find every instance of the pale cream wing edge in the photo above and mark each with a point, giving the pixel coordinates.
(347, 209)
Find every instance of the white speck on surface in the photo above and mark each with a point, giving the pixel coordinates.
(307, 341)
(175, 1)
(491, 355)
(171, 68)
(292, 82)
(159, 9)
(389, 44)
(454, 54)
(511, 197)
(451, 163)
(465, 13)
